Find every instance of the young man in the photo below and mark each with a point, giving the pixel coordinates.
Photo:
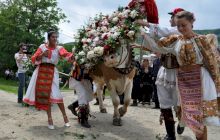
(81, 82)
(21, 58)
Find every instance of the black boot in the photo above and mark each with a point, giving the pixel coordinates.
(83, 115)
(169, 124)
(72, 107)
(134, 103)
(97, 102)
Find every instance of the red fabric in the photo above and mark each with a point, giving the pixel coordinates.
(177, 10)
(151, 10)
(43, 86)
(36, 54)
(65, 54)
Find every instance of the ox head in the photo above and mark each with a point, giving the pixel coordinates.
(119, 58)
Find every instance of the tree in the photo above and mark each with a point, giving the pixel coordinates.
(25, 21)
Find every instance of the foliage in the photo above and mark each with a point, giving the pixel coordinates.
(25, 21)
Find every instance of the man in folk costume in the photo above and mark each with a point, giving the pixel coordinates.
(43, 89)
(81, 82)
(166, 79)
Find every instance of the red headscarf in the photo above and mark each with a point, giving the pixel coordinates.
(151, 10)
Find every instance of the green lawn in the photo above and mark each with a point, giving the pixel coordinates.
(10, 86)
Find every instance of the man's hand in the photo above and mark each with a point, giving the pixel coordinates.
(142, 22)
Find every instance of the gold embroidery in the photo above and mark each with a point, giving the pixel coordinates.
(209, 59)
(167, 41)
(210, 108)
(187, 54)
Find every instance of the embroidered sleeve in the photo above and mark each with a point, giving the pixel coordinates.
(166, 45)
(34, 58)
(209, 59)
(167, 41)
(65, 54)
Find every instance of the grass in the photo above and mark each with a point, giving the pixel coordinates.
(10, 86)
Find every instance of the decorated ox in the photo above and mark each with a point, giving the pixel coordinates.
(117, 73)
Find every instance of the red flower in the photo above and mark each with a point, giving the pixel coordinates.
(105, 37)
(106, 48)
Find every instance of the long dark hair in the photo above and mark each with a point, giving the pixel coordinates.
(50, 32)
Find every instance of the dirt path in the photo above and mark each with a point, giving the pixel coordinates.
(140, 123)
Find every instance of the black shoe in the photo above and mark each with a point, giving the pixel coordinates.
(179, 129)
(70, 107)
(96, 103)
(134, 104)
(85, 124)
(167, 137)
(20, 101)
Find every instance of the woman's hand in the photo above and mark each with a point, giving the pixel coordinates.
(45, 53)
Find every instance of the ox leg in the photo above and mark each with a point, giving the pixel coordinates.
(116, 102)
(100, 98)
(127, 99)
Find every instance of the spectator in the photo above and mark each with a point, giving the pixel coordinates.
(21, 58)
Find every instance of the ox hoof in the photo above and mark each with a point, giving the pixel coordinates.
(103, 110)
(121, 111)
(117, 122)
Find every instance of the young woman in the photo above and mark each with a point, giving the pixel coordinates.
(43, 89)
(198, 78)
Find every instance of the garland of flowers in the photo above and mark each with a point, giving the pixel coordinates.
(104, 32)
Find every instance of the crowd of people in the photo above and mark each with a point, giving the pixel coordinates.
(184, 76)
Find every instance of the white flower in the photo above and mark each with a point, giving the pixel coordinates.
(115, 19)
(76, 57)
(114, 29)
(104, 29)
(90, 54)
(93, 44)
(98, 51)
(82, 53)
(105, 22)
(82, 60)
(130, 34)
(120, 15)
(133, 13)
(126, 12)
(84, 40)
(73, 49)
(115, 35)
(96, 39)
(89, 40)
(85, 47)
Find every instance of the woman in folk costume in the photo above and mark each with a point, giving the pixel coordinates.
(81, 83)
(43, 89)
(166, 78)
(198, 78)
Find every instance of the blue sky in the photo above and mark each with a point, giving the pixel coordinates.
(207, 13)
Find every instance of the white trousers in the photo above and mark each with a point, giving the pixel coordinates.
(168, 97)
(83, 90)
